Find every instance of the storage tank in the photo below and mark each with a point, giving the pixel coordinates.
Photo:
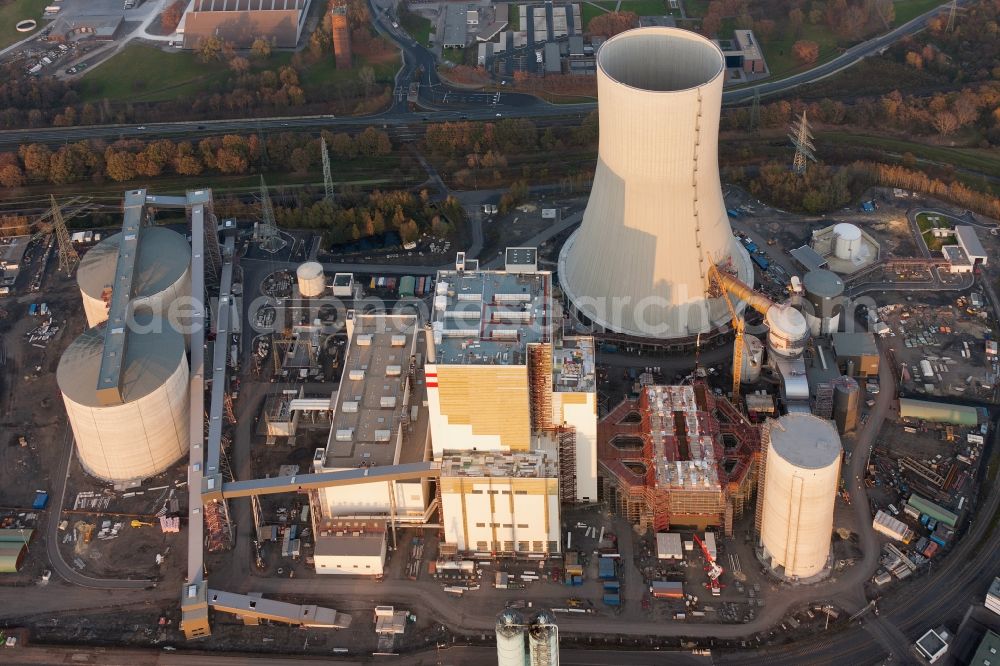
(543, 640)
(162, 273)
(753, 359)
(149, 431)
(846, 241)
(655, 218)
(823, 303)
(312, 283)
(510, 639)
(802, 469)
(846, 399)
(788, 332)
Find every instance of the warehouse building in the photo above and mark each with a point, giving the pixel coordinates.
(242, 21)
(857, 353)
(13, 549)
(938, 412)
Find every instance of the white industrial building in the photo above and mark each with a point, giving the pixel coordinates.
(656, 219)
(802, 456)
(500, 503)
(355, 548)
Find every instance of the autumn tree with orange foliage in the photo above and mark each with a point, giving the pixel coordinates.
(171, 16)
(805, 51)
(612, 23)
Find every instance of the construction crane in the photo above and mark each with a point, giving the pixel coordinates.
(139, 523)
(739, 326)
(713, 569)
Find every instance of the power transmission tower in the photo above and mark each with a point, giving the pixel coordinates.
(754, 125)
(68, 258)
(802, 138)
(327, 176)
(952, 14)
(267, 228)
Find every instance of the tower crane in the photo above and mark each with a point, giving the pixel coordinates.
(739, 325)
(712, 568)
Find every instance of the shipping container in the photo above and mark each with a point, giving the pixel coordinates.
(606, 568)
(612, 600)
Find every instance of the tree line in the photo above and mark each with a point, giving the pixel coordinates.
(231, 154)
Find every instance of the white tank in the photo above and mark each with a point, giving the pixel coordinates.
(543, 640)
(162, 273)
(753, 359)
(655, 219)
(802, 469)
(312, 282)
(846, 241)
(788, 331)
(511, 628)
(149, 431)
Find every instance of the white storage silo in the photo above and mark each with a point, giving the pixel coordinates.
(311, 281)
(846, 241)
(149, 431)
(543, 640)
(787, 330)
(511, 628)
(162, 273)
(753, 359)
(802, 469)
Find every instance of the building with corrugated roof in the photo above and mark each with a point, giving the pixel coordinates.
(242, 21)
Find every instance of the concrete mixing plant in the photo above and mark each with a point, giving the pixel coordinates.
(656, 220)
(543, 640)
(795, 511)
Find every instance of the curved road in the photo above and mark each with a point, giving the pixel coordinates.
(513, 105)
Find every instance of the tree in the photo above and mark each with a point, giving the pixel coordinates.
(239, 64)
(11, 176)
(795, 20)
(374, 143)
(261, 48)
(209, 48)
(409, 231)
(119, 165)
(366, 76)
(612, 23)
(36, 158)
(805, 51)
(300, 161)
(945, 122)
(171, 16)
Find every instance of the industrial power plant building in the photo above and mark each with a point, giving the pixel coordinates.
(240, 22)
(678, 456)
(656, 220)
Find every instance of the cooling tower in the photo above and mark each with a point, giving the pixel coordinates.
(656, 219)
(510, 639)
(543, 640)
(149, 431)
(802, 468)
(311, 281)
(162, 273)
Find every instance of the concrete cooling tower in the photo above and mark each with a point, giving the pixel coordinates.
(656, 219)
(149, 430)
(802, 469)
(162, 273)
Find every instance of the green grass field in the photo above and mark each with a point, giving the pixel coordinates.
(514, 16)
(147, 74)
(778, 50)
(588, 12)
(645, 7)
(18, 10)
(973, 159)
(456, 56)
(906, 10)
(925, 223)
(418, 26)
(695, 8)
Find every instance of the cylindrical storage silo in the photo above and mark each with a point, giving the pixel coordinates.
(150, 430)
(162, 273)
(823, 302)
(846, 241)
(846, 399)
(802, 469)
(656, 217)
(543, 640)
(753, 359)
(312, 282)
(511, 628)
(787, 331)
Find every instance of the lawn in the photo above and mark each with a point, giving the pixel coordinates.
(925, 224)
(18, 10)
(973, 159)
(778, 50)
(907, 10)
(513, 16)
(455, 56)
(695, 8)
(418, 26)
(325, 72)
(644, 7)
(588, 12)
(147, 74)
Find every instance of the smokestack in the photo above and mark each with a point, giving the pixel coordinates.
(656, 219)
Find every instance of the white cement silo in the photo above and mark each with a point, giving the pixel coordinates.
(162, 273)
(847, 241)
(802, 469)
(511, 630)
(311, 280)
(543, 640)
(753, 359)
(149, 431)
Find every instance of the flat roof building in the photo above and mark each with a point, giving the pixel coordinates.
(988, 652)
(857, 353)
(243, 21)
(968, 239)
(354, 548)
(12, 251)
(456, 27)
(940, 412)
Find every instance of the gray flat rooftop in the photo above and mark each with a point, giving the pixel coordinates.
(342, 539)
(573, 365)
(521, 256)
(805, 441)
(854, 344)
(506, 464)
(809, 258)
(490, 317)
(955, 255)
(368, 423)
(969, 240)
(343, 279)
(11, 255)
(456, 29)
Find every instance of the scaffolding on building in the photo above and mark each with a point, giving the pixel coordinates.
(540, 386)
(567, 464)
(823, 407)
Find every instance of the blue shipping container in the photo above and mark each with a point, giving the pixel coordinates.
(760, 261)
(612, 600)
(41, 500)
(606, 568)
(924, 518)
(611, 586)
(938, 540)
